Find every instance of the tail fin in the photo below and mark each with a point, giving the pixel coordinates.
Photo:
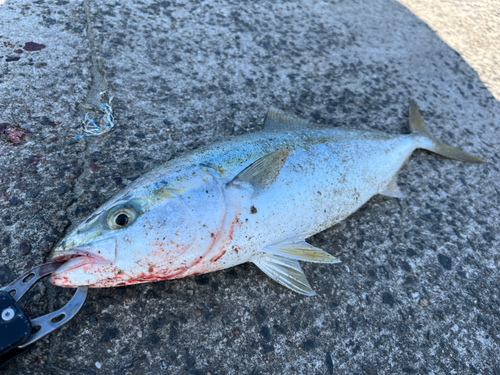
(432, 144)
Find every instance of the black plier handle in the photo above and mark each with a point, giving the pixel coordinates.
(17, 332)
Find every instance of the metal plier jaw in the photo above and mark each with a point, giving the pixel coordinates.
(17, 332)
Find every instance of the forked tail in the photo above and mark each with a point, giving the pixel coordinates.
(432, 144)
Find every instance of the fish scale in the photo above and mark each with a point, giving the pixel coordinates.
(254, 198)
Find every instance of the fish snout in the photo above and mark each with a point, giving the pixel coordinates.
(104, 250)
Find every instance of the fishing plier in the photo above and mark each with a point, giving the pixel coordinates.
(18, 333)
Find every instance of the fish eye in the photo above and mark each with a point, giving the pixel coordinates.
(121, 218)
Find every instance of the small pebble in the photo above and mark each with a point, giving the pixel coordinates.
(163, 365)
(32, 46)
(423, 302)
(61, 190)
(190, 292)
(25, 247)
(94, 168)
(98, 365)
(197, 312)
(37, 297)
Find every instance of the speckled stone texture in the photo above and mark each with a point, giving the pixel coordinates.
(418, 289)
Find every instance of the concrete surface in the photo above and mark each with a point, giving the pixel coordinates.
(417, 291)
(472, 28)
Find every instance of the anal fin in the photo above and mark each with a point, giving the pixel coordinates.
(285, 271)
(392, 189)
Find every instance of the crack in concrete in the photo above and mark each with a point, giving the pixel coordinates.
(98, 83)
(91, 103)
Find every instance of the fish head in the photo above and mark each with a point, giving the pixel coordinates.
(140, 235)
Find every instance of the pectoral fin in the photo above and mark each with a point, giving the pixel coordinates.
(263, 172)
(392, 190)
(285, 271)
(299, 249)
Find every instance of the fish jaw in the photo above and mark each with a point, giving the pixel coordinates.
(75, 272)
(84, 268)
(82, 265)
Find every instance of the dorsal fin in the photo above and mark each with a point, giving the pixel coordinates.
(279, 120)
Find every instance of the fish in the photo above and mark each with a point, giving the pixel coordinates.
(253, 198)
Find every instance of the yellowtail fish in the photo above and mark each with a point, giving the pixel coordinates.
(254, 198)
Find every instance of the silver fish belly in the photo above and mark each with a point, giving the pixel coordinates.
(255, 198)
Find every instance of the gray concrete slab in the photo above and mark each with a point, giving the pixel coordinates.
(417, 291)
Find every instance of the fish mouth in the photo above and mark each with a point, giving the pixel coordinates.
(83, 265)
(96, 252)
(78, 257)
(79, 267)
